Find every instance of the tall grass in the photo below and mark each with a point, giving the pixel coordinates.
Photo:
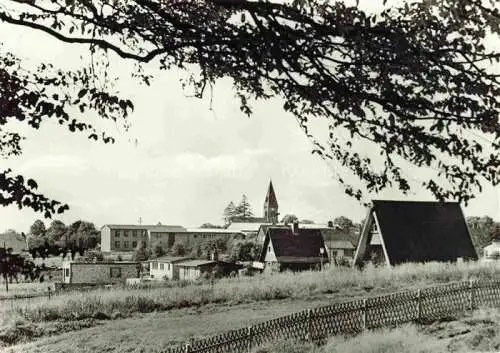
(341, 283)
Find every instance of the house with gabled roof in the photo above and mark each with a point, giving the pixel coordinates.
(262, 232)
(397, 232)
(293, 248)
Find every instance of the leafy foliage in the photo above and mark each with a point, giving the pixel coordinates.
(229, 212)
(344, 223)
(33, 97)
(240, 212)
(158, 250)
(141, 253)
(412, 81)
(289, 218)
(178, 249)
(58, 239)
(243, 250)
(210, 225)
(56, 230)
(93, 256)
(244, 209)
(482, 231)
(13, 264)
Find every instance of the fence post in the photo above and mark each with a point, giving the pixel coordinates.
(365, 313)
(419, 304)
(309, 324)
(471, 294)
(249, 338)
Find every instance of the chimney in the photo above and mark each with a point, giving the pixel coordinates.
(295, 228)
(330, 224)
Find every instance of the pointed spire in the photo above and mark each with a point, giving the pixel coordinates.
(271, 200)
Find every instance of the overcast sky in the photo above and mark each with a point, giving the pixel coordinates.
(181, 162)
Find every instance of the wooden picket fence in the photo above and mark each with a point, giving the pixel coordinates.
(354, 316)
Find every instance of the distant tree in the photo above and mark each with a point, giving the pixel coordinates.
(244, 209)
(221, 244)
(37, 229)
(36, 235)
(93, 255)
(158, 250)
(56, 230)
(39, 243)
(141, 253)
(343, 222)
(289, 218)
(307, 221)
(197, 251)
(482, 230)
(178, 249)
(80, 236)
(243, 250)
(210, 225)
(229, 212)
(12, 265)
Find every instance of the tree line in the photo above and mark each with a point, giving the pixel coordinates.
(241, 211)
(237, 248)
(60, 239)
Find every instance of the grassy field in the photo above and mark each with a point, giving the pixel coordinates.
(155, 331)
(150, 333)
(30, 319)
(25, 288)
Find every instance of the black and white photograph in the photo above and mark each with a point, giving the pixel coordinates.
(249, 176)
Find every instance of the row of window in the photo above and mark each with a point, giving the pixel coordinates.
(136, 233)
(127, 243)
(161, 265)
(126, 233)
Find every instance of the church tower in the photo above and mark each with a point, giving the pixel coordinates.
(271, 206)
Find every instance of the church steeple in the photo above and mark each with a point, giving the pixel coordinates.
(271, 205)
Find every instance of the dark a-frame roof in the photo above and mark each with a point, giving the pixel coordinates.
(423, 231)
(289, 247)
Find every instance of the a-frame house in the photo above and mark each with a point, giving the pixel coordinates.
(396, 232)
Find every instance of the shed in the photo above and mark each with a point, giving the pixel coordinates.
(396, 232)
(192, 270)
(74, 272)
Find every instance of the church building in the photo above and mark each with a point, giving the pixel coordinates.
(271, 206)
(251, 225)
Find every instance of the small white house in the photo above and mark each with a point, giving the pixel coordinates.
(164, 267)
(492, 251)
(74, 272)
